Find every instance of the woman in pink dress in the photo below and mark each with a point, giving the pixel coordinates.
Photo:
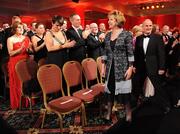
(18, 45)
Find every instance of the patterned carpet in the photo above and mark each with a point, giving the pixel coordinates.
(25, 123)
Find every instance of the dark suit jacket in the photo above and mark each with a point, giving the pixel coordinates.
(154, 59)
(7, 33)
(30, 34)
(78, 51)
(173, 59)
(95, 47)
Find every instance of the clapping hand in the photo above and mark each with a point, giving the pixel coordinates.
(101, 37)
(70, 43)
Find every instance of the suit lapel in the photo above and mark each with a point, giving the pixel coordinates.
(141, 43)
(93, 38)
(75, 33)
(149, 44)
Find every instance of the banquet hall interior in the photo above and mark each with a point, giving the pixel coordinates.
(146, 118)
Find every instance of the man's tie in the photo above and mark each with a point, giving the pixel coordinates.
(79, 32)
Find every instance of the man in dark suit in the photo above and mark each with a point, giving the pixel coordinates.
(78, 52)
(32, 31)
(150, 62)
(94, 44)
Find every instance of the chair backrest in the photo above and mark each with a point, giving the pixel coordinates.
(72, 71)
(89, 66)
(50, 78)
(101, 66)
(23, 71)
(32, 67)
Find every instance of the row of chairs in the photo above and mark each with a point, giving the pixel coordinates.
(50, 80)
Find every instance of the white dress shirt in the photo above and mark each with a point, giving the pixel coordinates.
(145, 44)
(76, 29)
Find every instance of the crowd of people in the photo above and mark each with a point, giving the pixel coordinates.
(131, 57)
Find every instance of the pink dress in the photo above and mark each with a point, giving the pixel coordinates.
(14, 82)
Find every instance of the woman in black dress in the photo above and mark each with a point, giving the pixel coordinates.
(39, 44)
(57, 43)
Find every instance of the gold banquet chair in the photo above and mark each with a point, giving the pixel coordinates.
(72, 71)
(101, 66)
(26, 70)
(50, 79)
(89, 66)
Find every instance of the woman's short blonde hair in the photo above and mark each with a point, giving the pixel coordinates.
(119, 16)
(136, 29)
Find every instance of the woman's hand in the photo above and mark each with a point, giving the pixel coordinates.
(101, 37)
(128, 73)
(22, 48)
(30, 49)
(69, 44)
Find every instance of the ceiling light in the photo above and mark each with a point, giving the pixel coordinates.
(157, 6)
(152, 7)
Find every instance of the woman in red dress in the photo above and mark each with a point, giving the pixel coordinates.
(18, 45)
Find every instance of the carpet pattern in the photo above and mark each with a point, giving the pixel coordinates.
(24, 122)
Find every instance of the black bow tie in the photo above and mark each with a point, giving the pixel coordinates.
(146, 36)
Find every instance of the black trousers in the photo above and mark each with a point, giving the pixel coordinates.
(160, 98)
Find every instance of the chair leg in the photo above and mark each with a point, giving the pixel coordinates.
(20, 103)
(61, 124)
(86, 83)
(30, 105)
(44, 114)
(84, 120)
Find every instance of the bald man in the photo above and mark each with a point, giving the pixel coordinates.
(150, 62)
(94, 45)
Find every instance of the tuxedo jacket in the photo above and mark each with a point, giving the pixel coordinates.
(94, 46)
(173, 59)
(7, 33)
(77, 52)
(30, 34)
(154, 59)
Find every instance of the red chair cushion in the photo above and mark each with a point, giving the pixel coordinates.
(97, 89)
(85, 95)
(65, 104)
